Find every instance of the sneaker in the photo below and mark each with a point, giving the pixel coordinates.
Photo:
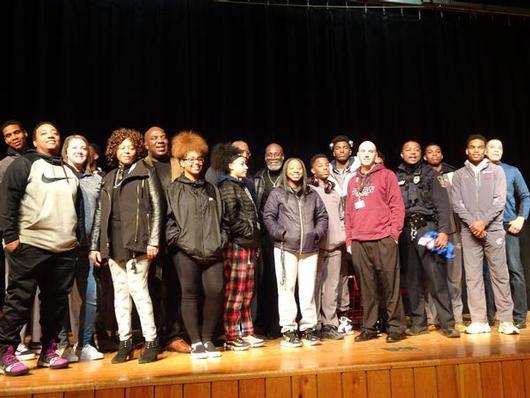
(36, 347)
(416, 330)
(254, 341)
(90, 353)
(478, 327)
(450, 333)
(310, 337)
(23, 353)
(508, 328)
(49, 358)
(238, 344)
(291, 339)
(10, 365)
(211, 350)
(69, 354)
(365, 336)
(520, 325)
(460, 327)
(345, 325)
(330, 332)
(198, 351)
(178, 345)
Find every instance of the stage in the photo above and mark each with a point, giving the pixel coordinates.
(489, 365)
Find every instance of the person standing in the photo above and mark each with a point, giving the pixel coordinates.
(479, 198)
(374, 217)
(41, 220)
(426, 209)
(126, 234)
(296, 219)
(515, 214)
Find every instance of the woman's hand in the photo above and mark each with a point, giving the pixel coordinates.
(95, 257)
(152, 252)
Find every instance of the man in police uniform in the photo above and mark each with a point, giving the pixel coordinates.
(426, 209)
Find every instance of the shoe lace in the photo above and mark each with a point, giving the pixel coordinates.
(51, 351)
(9, 357)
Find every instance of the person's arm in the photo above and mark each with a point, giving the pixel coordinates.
(523, 197)
(499, 196)
(321, 218)
(270, 216)
(459, 207)
(235, 225)
(172, 226)
(155, 202)
(396, 205)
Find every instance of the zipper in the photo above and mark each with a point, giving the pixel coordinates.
(137, 213)
(110, 207)
(299, 200)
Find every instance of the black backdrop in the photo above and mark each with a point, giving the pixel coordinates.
(293, 75)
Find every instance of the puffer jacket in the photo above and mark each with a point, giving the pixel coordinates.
(140, 204)
(195, 212)
(298, 220)
(240, 217)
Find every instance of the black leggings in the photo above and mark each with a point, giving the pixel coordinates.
(196, 280)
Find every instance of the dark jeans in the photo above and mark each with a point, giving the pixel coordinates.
(422, 266)
(53, 273)
(200, 283)
(2, 278)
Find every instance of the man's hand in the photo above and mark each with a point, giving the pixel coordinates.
(95, 257)
(516, 225)
(477, 227)
(441, 240)
(152, 251)
(12, 246)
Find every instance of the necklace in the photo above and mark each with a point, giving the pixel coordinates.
(275, 182)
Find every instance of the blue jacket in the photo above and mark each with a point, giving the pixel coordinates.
(516, 191)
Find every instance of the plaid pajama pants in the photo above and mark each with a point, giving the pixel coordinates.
(239, 288)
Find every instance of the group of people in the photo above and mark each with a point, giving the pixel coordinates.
(194, 249)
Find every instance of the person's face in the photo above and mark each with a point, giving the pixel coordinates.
(193, 163)
(433, 155)
(475, 151)
(15, 137)
(47, 140)
(367, 154)
(157, 144)
(238, 168)
(126, 153)
(411, 152)
(341, 151)
(76, 153)
(295, 171)
(321, 168)
(274, 157)
(243, 147)
(494, 150)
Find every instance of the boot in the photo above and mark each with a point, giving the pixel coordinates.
(126, 351)
(151, 350)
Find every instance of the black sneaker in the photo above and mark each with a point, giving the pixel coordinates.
(450, 332)
(198, 351)
(417, 330)
(330, 332)
(238, 344)
(520, 325)
(365, 336)
(211, 350)
(310, 337)
(291, 339)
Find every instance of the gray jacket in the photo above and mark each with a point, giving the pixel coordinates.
(480, 196)
(336, 235)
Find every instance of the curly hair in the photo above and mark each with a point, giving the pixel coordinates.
(223, 154)
(117, 137)
(187, 141)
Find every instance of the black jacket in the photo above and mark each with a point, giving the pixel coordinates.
(299, 221)
(140, 210)
(240, 217)
(195, 212)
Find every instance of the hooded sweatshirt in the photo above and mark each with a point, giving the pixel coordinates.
(374, 206)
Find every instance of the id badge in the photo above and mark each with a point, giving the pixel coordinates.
(359, 204)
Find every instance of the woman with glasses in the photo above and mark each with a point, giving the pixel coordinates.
(126, 232)
(196, 242)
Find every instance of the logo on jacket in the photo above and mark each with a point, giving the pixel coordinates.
(365, 191)
(49, 180)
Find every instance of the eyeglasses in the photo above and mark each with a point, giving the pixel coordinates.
(194, 160)
(273, 155)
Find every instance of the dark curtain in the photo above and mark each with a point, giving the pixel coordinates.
(295, 76)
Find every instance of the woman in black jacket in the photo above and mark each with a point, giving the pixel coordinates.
(241, 222)
(126, 232)
(296, 219)
(196, 240)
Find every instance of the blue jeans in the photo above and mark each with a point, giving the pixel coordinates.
(517, 278)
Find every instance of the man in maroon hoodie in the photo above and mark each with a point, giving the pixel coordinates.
(374, 217)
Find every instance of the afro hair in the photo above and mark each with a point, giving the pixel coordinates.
(187, 141)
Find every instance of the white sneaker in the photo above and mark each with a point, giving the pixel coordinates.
(69, 354)
(345, 325)
(254, 341)
(508, 328)
(90, 353)
(478, 327)
(23, 353)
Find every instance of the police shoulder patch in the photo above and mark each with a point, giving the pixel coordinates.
(442, 181)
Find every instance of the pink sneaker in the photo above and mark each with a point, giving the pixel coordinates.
(50, 359)
(10, 365)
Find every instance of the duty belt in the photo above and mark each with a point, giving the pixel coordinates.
(416, 221)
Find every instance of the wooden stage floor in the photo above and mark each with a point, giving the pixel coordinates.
(429, 365)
